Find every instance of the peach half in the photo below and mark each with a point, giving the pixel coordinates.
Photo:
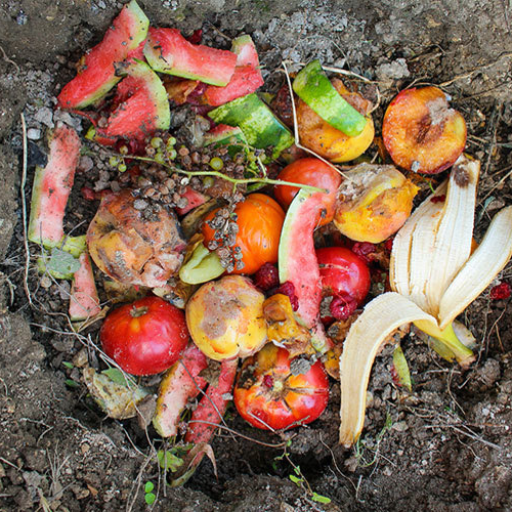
(374, 202)
(328, 142)
(225, 318)
(421, 132)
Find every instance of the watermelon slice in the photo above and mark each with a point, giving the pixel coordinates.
(298, 263)
(180, 384)
(194, 199)
(84, 302)
(141, 106)
(167, 51)
(52, 186)
(97, 73)
(246, 78)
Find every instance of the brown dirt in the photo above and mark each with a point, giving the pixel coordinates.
(445, 447)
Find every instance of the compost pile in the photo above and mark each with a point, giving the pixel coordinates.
(263, 282)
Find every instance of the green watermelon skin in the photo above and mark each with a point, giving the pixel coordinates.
(167, 51)
(51, 188)
(97, 75)
(258, 123)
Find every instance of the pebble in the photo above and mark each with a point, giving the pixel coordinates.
(33, 134)
(45, 115)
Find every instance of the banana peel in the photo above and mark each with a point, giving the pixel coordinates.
(434, 277)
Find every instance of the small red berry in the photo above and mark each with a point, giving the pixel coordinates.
(501, 291)
(364, 250)
(288, 288)
(342, 306)
(267, 277)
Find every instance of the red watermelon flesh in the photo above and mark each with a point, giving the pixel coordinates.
(194, 199)
(167, 51)
(84, 302)
(97, 73)
(141, 105)
(52, 186)
(246, 78)
(298, 263)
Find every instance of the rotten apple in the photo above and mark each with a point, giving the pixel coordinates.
(421, 132)
(145, 337)
(271, 394)
(225, 318)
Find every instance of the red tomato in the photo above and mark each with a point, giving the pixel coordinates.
(343, 273)
(267, 391)
(309, 171)
(259, 221)
(145, 337)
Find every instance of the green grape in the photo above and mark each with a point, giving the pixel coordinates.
(121, 167)
(113, 161)
(216, 163)
(156, 142)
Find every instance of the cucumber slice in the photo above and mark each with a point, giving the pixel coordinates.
(315, 89)
(260, 126)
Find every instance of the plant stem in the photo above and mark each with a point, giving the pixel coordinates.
(236, 181)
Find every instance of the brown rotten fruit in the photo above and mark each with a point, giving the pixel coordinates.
(137, 247)
(421, 132)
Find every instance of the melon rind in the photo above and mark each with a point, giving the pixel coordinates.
(96, 79)
(298, 263)
(167, 51)
(51, 188)
(259, 124)
(84, 302)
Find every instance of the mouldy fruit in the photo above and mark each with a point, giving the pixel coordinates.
(134, 246)
(97, 72)
(225, 318)
(421, 132)
(325, 140)
(374, 202)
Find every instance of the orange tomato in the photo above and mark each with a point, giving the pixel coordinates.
(259, 220)
(310, 171)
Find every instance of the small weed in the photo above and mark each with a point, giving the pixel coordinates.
(149, 495)
(360, 446)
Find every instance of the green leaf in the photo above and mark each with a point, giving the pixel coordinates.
(150, 498)
(71, 383)
(296, 480)
(62, 262)
(68, 365)
(168, 460)
(149, 487)
(117, 376)
(402, 368)
(320, 499)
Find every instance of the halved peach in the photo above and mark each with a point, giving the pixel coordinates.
(328, 142)
(421, 132)
(374, 202)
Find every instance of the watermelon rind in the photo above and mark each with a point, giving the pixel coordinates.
(51, 188)
(93, 81)
(261, 127)
(167, 51)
